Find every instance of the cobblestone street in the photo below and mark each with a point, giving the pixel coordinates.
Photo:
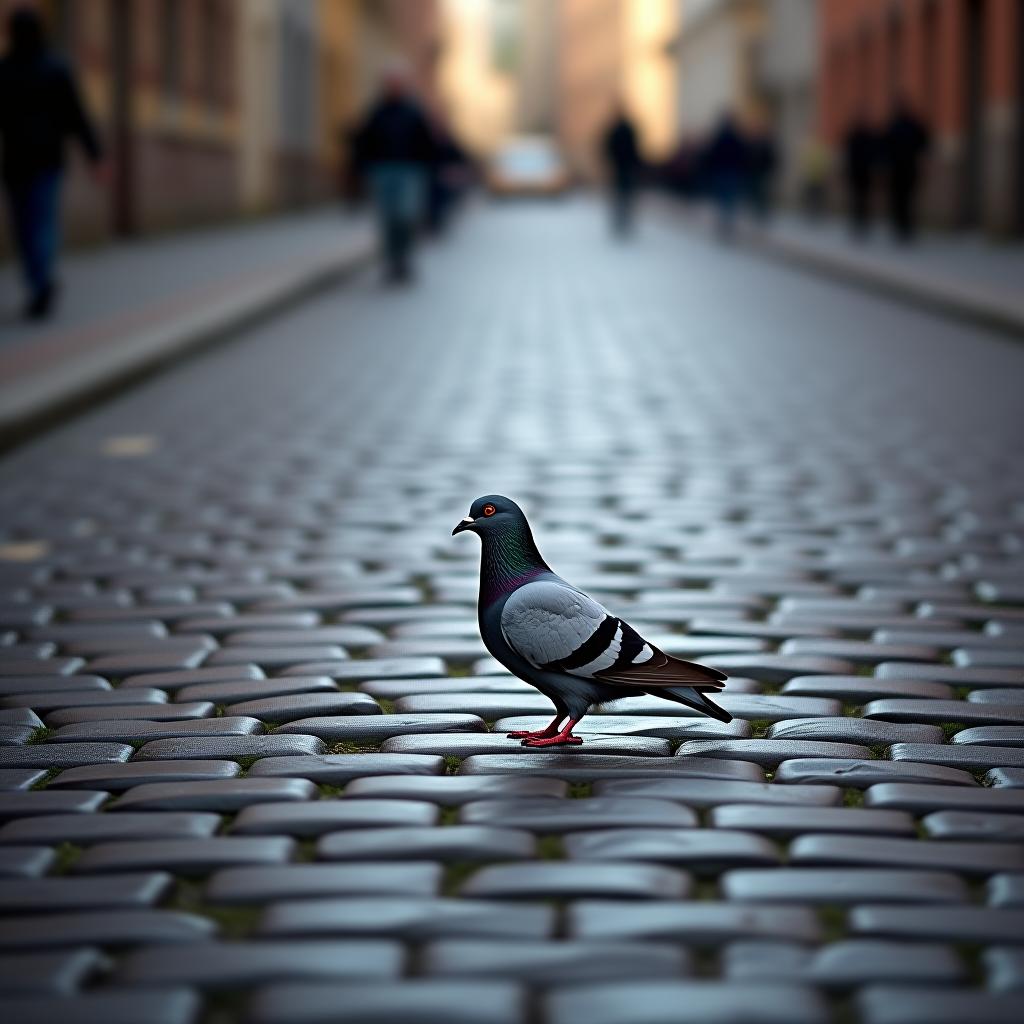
(252, 750)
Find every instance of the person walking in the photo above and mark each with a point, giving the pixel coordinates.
(727, 165)
(40, 108)
(394, 147)
(905, 146)
(860, 159)
(762, 161)
(622, 155)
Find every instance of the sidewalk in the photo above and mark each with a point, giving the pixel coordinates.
(964, 276)
(128, 307)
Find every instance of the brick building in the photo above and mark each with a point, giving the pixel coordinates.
(959, 64)
(612, 52)
(210, 109)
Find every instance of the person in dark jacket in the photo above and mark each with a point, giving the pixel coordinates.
(623, 158)
(762, 160)
(905, 146)
(40, 108)
(860, 159)
(394, 147)
(726, 163)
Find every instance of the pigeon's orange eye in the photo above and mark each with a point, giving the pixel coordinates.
(489, 510)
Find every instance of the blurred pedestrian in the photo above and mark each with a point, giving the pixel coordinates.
(394, 147)
(40, 108)
(905, 147)
(761, 163)
(860, 157)
(681, 172)
(448, 177)
(622, 155)
(814, 170)
(726, 163)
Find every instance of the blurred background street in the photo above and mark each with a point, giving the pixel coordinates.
(217, 160)
(726, 292)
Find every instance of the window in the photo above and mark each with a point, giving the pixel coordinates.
(170, 47)
(211, 48)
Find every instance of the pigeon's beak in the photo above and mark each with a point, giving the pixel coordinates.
(464, 524)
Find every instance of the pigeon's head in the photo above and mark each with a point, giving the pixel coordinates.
(491, 512)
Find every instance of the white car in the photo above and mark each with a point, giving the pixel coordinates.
(529, 165)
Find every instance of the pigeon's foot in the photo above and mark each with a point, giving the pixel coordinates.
(551, 729)
(561, 740)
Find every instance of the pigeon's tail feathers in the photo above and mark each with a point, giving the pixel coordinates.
(702, 677)
(662, 670)
(695, 698)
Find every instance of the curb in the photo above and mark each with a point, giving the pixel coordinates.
(945, 295)
(37, 403)
(973, 304)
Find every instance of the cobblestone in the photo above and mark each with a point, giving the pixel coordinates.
(256, 767)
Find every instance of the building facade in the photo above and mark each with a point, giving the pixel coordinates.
(614, 53)
(589, 78)
(958, 63)
(788, 73)
(212, 109)
(477, 90)
(719, 60)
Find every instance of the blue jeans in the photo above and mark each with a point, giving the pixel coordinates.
(398, 192)
(35, 208)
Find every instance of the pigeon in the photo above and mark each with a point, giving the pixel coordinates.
(556, 638)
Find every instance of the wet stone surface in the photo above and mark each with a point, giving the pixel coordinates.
(253, 762)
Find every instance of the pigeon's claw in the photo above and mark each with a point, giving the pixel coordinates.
(564, 738)
(561, 740)
(551, 729)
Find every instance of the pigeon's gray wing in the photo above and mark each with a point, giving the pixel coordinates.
(550, 624)
(556, 628)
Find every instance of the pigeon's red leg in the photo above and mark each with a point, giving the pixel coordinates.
(549, 730)
(563, 739)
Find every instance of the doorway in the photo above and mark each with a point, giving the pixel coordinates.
(971, 206)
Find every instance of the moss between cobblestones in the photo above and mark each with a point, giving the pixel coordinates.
(853, 798)
(455, 875)
(354, 747)
(452, 764)
(844, 1009)
(223, 1007)
(458, 671)
(305, 850)
(327, 791)
(971, 954)
(234, 922)
(550, 848)
(758, 727)
(705, 889)
(67, 855)
(950, 728)
(41, 734)
(705, 963)
(51, 774)
(833, 922)
(581, 790)
(387, 706)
